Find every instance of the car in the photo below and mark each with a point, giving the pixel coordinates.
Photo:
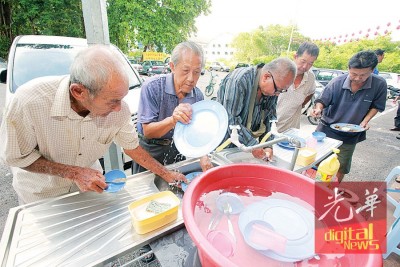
(393, 83)
(218, 66)
(33, 56)
(319, 88)
(242, 65)
(136, 64)
(324, 76)
(391, 78)
(152, 67)
(53, 55)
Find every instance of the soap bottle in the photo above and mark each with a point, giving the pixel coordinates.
(328, 168)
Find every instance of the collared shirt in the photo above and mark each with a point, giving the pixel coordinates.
(290, 103)
(341, 105)
(158, 100)
(234, 94)
(40, 122)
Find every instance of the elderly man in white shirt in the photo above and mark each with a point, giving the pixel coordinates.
(300, 92)
(56, 128)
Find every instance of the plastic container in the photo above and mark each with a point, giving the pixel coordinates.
(319, 136)
(144, 221)
(328, 168)
(306, 156)
(260, 176)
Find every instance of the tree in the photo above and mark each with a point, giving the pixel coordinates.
(265, 44)
(157, 25)
(336, 56)
(48, 17)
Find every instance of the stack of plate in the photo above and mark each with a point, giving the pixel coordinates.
(289, 221)
(289, 145)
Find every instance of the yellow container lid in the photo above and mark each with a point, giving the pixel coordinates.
(306, 156)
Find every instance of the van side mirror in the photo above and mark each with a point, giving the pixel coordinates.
(3, 76)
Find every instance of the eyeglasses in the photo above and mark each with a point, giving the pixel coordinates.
(276, 88)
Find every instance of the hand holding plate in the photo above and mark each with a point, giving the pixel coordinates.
(182, 113)
(87, 179)
(205, 163)
(365, 125)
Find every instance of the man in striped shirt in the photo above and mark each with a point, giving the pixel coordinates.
(249, 96)
(303, 88)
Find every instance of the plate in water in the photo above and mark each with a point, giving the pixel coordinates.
(281, 215)
(205, 132)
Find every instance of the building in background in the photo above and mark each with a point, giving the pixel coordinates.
(218, 48)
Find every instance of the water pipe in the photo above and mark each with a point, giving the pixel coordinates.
(278, 138)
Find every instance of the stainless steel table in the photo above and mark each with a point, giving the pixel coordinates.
(282, 156)
(82, 229)
(88, 229)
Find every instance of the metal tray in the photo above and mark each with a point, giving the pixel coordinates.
(81, 229)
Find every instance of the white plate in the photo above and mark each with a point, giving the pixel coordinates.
(347, 127)
(205, 132)
(288, 219)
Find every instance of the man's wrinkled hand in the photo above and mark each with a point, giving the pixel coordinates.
(182, 113)
(175, 177)
(205, 163)
(258, 153)
(88, 179)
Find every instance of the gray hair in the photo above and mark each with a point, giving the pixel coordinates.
(176, 55)
(94, 67)
(281, 67)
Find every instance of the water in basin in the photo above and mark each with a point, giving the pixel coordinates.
(249, 195)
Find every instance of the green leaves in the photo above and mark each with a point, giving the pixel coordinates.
(155, 24)
(265, 44)
(159, 24)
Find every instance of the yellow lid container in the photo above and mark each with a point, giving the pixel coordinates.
(154, 211)
(306, 156)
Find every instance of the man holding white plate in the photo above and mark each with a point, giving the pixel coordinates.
(166, 100)
(349, 102)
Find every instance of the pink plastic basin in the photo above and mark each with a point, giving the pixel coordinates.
(266, 177)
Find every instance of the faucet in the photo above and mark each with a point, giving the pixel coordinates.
(278, 138)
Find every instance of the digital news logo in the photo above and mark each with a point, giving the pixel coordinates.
(350, 218)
